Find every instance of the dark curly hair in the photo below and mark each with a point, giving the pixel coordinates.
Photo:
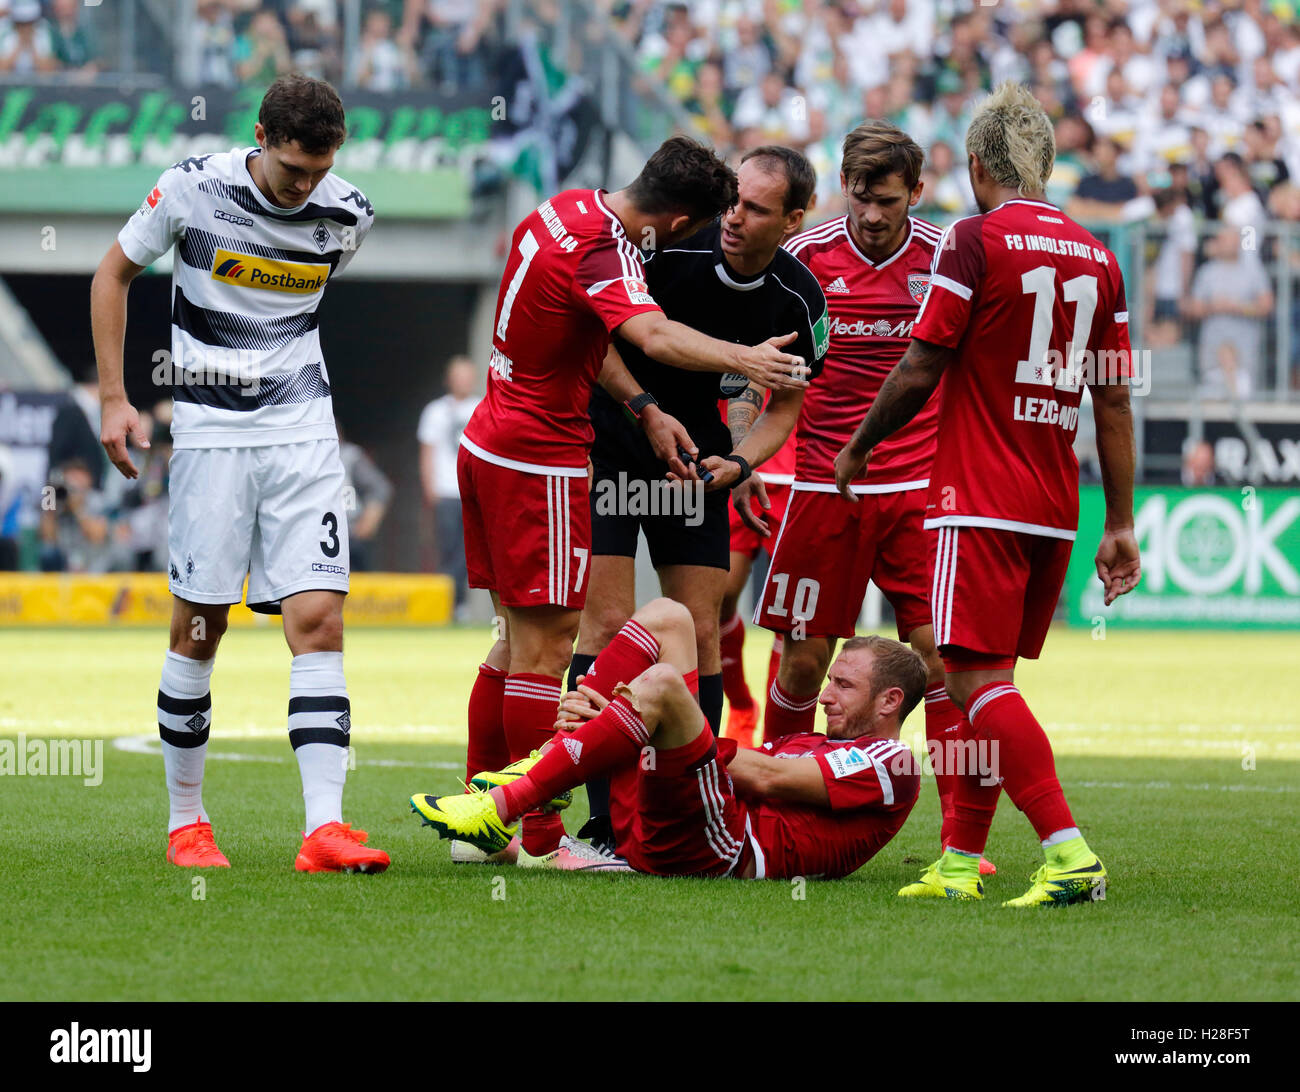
(304, 109)
(683, 176)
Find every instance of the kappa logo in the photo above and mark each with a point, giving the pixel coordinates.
(230, 217)
(268, 274)
(574, 747)
(917, 285)
(838, 285)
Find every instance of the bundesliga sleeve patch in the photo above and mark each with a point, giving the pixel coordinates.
(638, 292)
(846, 761)
(151, 202)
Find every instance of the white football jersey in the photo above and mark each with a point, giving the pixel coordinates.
(247, 284)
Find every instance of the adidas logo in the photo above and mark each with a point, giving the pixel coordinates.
(574, 747)
(838, 285)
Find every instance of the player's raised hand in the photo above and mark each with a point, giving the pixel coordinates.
(579, 706)
(119, 422)
(743, 496)
(849, 464)
(1119, 563)
(668, 439)
(768, 366)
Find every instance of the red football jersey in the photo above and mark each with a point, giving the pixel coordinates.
(872, 784)
(872, 309)
(1013, 290)
(571, 278)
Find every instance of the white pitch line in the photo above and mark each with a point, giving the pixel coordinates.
(151, 745)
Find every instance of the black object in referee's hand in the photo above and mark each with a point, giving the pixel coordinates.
(686, 457)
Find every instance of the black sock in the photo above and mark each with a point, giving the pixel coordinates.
(711, 701)
(579, 665)
(598, 788)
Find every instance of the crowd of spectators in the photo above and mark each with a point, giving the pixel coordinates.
(44, 39)
(403, 44)
(1146, 94)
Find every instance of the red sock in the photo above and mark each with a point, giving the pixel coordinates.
(611, 739)
(786, 714)
(774, 661)
(1019, 751)
(731, 640)
(943, 726)
(530, 707)
(631, 652)
(487, 749)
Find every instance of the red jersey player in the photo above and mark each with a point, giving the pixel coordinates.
(873, 265)
(1024, 306)
(807, 805)
(573, 276)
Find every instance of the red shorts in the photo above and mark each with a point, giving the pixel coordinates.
(680, 818)
(748, 542)
(527, 536)
(994, 592)
(828, 550)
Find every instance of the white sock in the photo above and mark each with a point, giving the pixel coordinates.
(184, 719)
(1061, 836)
(319, 722)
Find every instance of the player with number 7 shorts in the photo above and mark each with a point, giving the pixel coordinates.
(573, 277)
(1024, 308)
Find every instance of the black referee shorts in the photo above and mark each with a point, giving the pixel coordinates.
(674, 536)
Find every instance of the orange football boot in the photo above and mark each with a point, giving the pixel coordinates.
(741, 724)
(336, 847)
(194, 847)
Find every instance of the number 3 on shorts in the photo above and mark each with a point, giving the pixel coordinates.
(581, 555)
(330, 544)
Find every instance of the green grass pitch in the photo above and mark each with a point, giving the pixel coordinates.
(1179, 754)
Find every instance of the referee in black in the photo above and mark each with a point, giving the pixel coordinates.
(732, 281)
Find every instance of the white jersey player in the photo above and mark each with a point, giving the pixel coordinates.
(256, 481)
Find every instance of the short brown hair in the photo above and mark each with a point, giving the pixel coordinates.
(683, 176)
(875, 150)
(800, 178)
(304, 109)
(893, 664)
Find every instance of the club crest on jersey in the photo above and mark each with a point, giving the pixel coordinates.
(268, 274)
(917, 284)
(321, 236)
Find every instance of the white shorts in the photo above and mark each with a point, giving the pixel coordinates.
(275, 513)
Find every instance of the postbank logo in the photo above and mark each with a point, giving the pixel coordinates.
(269, 274)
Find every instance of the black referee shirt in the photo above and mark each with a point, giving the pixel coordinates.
(694, 285)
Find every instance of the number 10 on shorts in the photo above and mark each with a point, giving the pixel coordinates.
(806, 592)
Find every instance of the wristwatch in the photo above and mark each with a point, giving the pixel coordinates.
(636, 405)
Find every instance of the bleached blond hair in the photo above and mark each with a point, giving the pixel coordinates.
(1012, 135)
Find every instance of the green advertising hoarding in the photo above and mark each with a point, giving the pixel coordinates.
(1223, 558)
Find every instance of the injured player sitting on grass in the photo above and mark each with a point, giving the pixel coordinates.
(686, 804)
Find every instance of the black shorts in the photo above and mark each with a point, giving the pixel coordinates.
(680, 528)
